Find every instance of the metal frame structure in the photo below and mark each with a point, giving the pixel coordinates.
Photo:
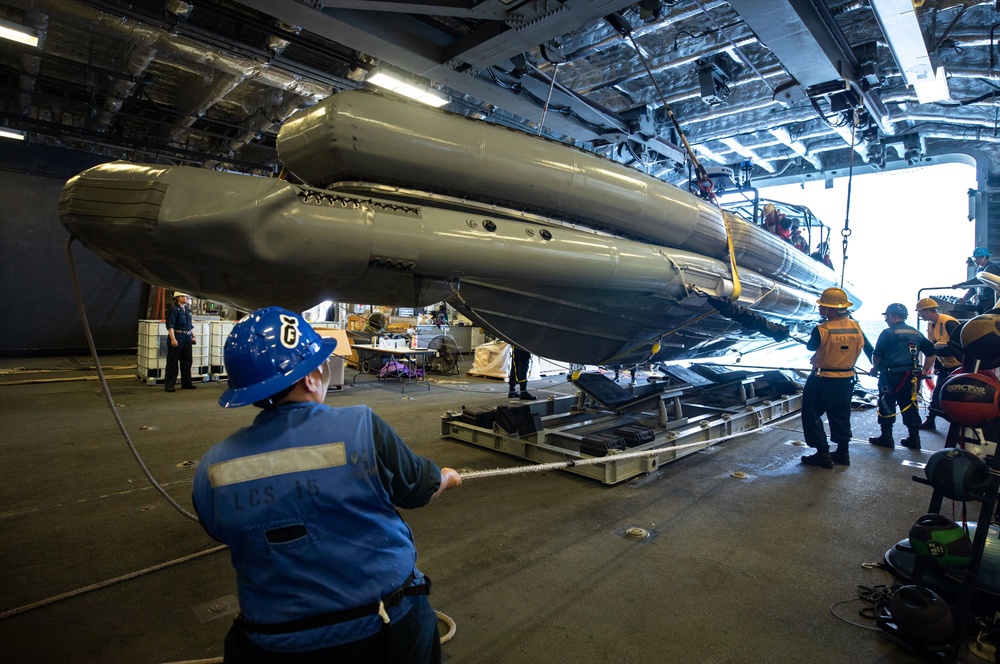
(679, 416)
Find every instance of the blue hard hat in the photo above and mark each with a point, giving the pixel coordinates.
(896, 309)
(270, 350)
(981, 252)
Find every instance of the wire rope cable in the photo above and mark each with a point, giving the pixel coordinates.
(704, 182)
(846, 232)
(548, 99)
(107, 391)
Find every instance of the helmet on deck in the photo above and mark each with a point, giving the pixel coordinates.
(835, 298)
(268, 351)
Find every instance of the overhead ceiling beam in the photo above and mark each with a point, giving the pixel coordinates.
(484, 9)
(806, 40)
(413, 46)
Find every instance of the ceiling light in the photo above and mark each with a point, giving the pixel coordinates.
(401, 87)
(18, 33)
(11, 133)
(898, 20)
(933, 88)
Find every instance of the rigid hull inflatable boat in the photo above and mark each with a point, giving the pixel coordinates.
(569, 255)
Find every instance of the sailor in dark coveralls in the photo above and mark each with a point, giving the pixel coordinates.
(897, 361)
(180, 329)
(838, 341)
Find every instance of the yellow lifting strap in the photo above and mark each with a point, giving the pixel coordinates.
(704, 182)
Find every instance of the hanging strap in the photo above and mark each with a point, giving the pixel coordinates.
(704, 182)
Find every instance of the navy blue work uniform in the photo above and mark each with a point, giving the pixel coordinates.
(520, 359)
(898, 349)
(986, 297)
(306, 499)
(830, 386)
(180, 320)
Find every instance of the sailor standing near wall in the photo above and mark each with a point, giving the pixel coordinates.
(180, 329)
(838, 342)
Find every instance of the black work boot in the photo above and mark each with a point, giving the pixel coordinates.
(928, 424)
(913, 440)
(512, 394)
(841, 455)
(820, 459)
(527, 396)
(884, 440)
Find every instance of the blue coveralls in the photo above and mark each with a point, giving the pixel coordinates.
(179, 319)
(899, 348)
(306, 499)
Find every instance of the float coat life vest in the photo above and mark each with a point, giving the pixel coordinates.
(311, 530)
(841, 342)
(938, 335)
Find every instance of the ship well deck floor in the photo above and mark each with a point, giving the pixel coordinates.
(532, 568)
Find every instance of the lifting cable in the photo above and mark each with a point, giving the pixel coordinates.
(548, 99)
(704, 182)
(107, 391)
(846, 232)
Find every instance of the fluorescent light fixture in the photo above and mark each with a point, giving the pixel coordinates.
(11, 133)
(401, 87)
(932, 88)
(898, 20)
(17, 33)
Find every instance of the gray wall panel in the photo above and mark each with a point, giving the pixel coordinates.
(39, 307)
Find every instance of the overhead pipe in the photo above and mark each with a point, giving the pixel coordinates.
(613, 38)
(92, 20)
(31, 64)
(139, 59)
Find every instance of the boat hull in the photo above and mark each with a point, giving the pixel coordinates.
(566, 293)
(569, 255)
(368, 136)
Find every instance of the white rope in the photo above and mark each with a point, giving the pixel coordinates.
(556, 465)
(452, 627)
(109, 582)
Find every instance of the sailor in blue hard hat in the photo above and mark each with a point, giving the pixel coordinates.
(306, 498)
(896, 309)
(902, 358)
(985, 295)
